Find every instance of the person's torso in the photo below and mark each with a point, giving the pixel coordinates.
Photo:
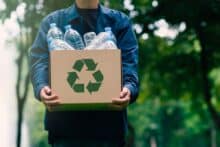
(83, 124)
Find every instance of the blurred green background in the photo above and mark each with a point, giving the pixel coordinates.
(179, 70)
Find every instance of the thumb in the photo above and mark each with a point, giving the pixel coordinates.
(47, 90)
(124, 92)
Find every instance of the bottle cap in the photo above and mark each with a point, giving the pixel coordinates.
(107, 29)
(53, 25)
(67, 27)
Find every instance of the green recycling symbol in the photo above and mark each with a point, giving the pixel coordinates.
(91, 86)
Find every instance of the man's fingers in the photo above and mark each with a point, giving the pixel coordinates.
(123, 93)
(52, 97)
(51, 100)
(45, 97)
(119, 101)
(47, 90)
(52, 103)
(48, 98)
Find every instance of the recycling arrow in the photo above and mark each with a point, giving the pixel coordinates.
(91, 65)
(78, 65)
(72, 77)
(93, 87)
(98, 76)
(79, 88)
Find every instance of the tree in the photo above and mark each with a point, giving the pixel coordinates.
(191, 65)
(179, 76)
(28, 30)
(201, 17)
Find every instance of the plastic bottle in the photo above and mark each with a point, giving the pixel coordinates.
(89, 37)
(72, 37)
(107, 45)
(102, 38)
(111, 35)
(54, 32)
(58, 44)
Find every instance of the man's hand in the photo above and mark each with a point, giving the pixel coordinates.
(123, 101)
(48, 98)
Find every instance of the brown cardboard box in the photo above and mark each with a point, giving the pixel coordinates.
(86, 79)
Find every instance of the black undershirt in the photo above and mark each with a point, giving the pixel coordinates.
(89, 19)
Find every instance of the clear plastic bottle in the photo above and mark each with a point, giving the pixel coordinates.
(89, 37)
(58, 44)
(109, 45)
(72, 37)
(101, 39)
(111, 35)
(54, 32)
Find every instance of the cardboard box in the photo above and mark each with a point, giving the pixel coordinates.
(86, 79)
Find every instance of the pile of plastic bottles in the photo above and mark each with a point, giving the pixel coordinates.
(72, 40)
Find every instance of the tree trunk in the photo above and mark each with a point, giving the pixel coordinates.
(21, 95)
(19, 125)
(205, 68)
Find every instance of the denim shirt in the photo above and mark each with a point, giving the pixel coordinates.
(121, 27)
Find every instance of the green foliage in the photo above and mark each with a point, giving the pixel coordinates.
(35, 117)
(171, 107)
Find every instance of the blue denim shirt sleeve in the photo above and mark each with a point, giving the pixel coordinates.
(39, 60)
(127, 42)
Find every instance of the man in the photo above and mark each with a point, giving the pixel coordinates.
(86, 128)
